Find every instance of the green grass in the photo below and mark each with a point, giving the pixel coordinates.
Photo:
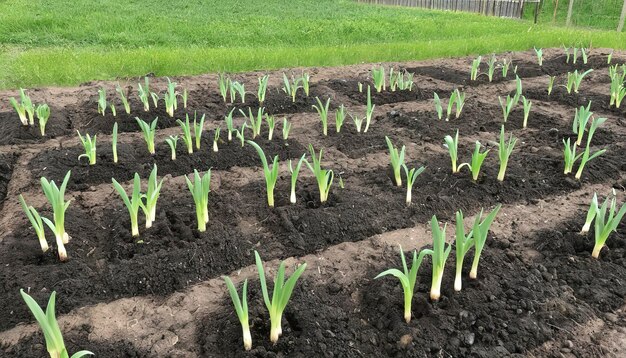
(66, 42)
(599, 14)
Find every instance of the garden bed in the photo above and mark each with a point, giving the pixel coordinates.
(536, 287)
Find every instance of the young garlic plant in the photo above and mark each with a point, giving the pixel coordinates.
(216, 138)
(36, 221)
(358, 122)
(567, 54)
(229, 124)
(102, 101)
(504, 152)
(439, 255)
(172, 141)
(255, 122)
(294, 177)
(609, 57)
(305, 79)
(438, 106)
(407, 278)
(477, 161)
(322, 110)
(56, 198)
(185, 96)
(280, 296)
(527, 106)
(618, 89)
(551, 84)
(151, 196)
(114, 142)
(291, 87)
(492, 67)
(539, 53)
(378, 77)
(518, 89)
(149, 132)
(237, 87)
(507, 106)
(397, 160)
(25, 109)
(144, 94)
(411, 176)
(241, 308)
(575, 79)
(89, 144)
(575, 55)
(271, 174)
(475, 68)
(463, 243)
(369, 111)
(587, 155)
(200, 188)
(241, 134)
(324, 177)
(50, 327)
(607, 218)
(223, 82)
(505, 67)
(286, 129)
(43, 114)
(271, 125)
(591, 214)
(170, 98)
(581, 119)
(123, 98)
(198, 128)
(133, 203)
(480, 229)
(453, 146)
(340, 117)
(460, 102)
(186, 127)
(262, 88)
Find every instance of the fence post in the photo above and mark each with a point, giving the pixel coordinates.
(620, 27)
(569, 13)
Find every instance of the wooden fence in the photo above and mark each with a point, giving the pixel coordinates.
(501, 8)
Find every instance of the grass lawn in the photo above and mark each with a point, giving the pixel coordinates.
(67, 42)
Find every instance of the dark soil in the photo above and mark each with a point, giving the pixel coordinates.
(599, 102)
(6, 169)
(350, 89)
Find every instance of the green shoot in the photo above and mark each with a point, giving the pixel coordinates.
(241, 308)
(149, 131)
(569, 156)
(24, 108)
(280, 296)
(460, 102)
(407, 278)
(477, 161)
(360, 86)
(224, 84)
(358, 122)
(102, 100)
(492, 67)
(585, 55)
(438, 106)
(393, 79)
(591, 214)
(340, 117)
(237, 88)
(151, 196)
(507, 106)
(604, 224)
(216, 138)
(200, 188)
(567, 54)
(241, 134)
(397, 160)
(440, 255)
(322, 110)
(609, 57)
(575, 55)
(504, 152)
(229, 124)
(479, 234)
(271, 175)
(262, 88)
(518, 89)
(48, 323)
(185, 96)
(411, 175)
(527, 105)
(198, 128)
(581, 119)
(172, 141)
(286, 128)
(255, 122)
(618, 90)
(475, 68)
(113, 110)
(271, 124)
(586, 155)
(451, 103)
(114, 142)
(291, 88)
(36, 222)
(43, 114)
(144, 94)
(171, 103)
(324, 177)
(186, 127)
(378, 77)
(370, 110)
(551, 84)
(575, 79)
(539, 53)
(294, 177)
(56, 198)
(133, 203)
(120, 91)
(89, 145)
(305, 79)
(505, 67)
(453, 146)
(463, 244)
